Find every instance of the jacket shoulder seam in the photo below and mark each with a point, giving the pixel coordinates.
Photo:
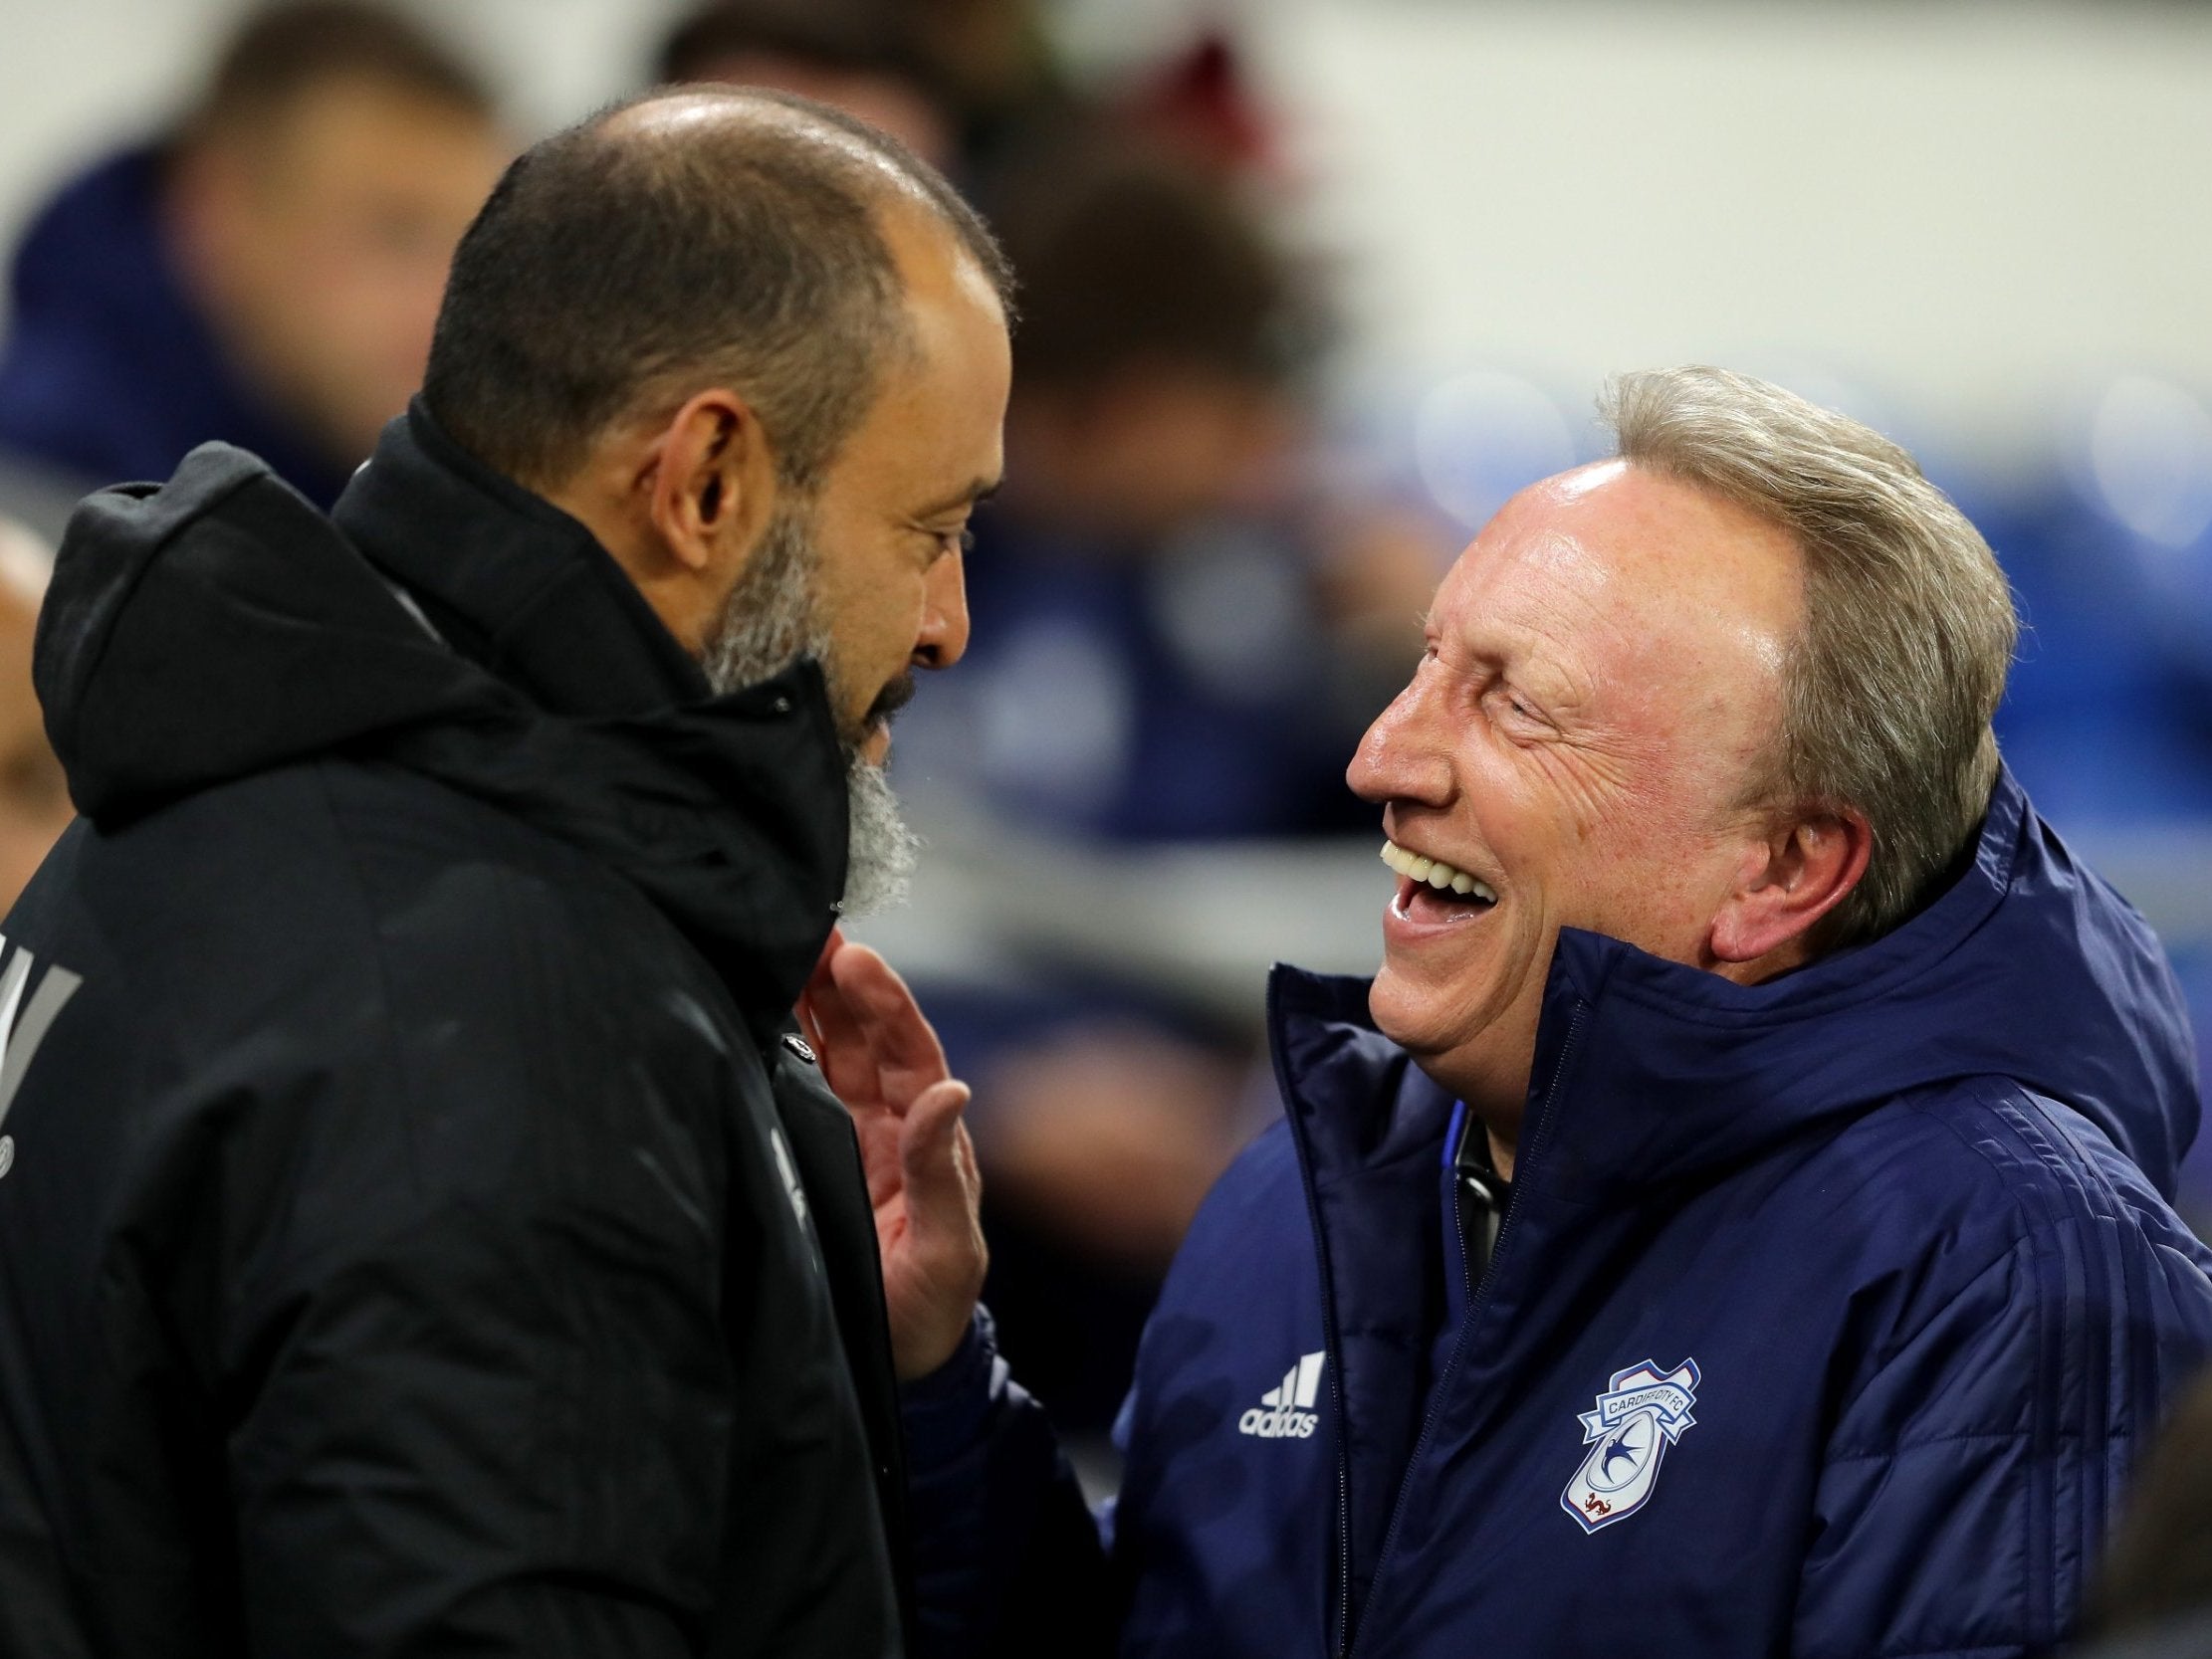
(2036, 1206)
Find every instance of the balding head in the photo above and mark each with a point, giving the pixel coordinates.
(688, 238)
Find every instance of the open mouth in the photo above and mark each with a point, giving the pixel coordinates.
(1430, 890)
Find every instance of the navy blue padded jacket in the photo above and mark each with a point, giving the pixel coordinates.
(1827, 1321)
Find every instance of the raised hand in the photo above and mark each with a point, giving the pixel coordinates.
(881, 1059)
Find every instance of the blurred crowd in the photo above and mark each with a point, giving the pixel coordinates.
(1191, 597)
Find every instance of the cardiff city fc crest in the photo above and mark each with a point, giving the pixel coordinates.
(1638, 1419)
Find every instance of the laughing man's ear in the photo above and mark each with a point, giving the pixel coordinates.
(709, 486)
(1803, 870)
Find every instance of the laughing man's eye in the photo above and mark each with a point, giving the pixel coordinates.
(1516, 707)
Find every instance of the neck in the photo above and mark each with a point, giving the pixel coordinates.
(1503, 1149)
(659, 580)
(1490, 1073)
(1497, 1107)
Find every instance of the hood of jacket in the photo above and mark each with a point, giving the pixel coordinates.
(219, 626)
(2028, 967)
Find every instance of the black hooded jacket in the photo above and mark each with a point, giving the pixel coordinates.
(419, 1233)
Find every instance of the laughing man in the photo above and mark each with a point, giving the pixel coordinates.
(1733, 1220)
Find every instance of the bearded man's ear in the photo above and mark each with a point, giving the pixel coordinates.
(709, 486)
(1804, 869)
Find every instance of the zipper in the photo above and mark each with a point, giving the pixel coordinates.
(1477, 1301)
(1330, 1338)
(1343, 1498)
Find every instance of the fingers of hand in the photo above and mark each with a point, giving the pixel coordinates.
(838, 1036)
(899, 1034)
(820, 983)
(942, 1241)
(970, 1171)
(930, 1144)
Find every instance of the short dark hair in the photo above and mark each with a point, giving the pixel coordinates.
(746, 251)
(301, 46)
(1135, 256)
(854, 35)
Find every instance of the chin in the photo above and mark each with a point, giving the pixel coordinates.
(1411, 1015)
(1464, 1017)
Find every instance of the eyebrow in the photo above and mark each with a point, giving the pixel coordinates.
(974, 491)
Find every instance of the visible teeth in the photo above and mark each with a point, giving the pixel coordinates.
(1435, 873)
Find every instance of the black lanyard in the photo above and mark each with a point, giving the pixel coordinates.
(1483, 1195)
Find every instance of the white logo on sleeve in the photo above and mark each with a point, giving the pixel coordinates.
(1285, 1411)
(23, 1027)
(1643, 1412)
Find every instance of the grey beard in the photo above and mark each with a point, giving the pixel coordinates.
(773, 618)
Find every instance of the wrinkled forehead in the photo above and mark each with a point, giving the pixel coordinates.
(1617, 577)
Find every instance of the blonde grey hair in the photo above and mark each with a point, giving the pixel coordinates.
(1909, 623)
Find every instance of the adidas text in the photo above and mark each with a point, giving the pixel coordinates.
(1282, 1423)
(1285, 1411)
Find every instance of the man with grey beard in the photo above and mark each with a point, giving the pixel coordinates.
(773, 618)
(423, 1228)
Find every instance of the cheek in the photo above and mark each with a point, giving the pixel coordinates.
(876, 606)
(1661, 893)
(892, 606)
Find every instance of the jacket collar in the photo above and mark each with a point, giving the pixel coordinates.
(219, 627)
(510, 579)
(2027, 966)
(728, 812)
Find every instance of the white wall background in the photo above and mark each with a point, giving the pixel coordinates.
(1970, 212)
(1973, 211)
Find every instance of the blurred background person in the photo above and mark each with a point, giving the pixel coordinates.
(863, 56)
(975, 85)
(1000, 65)
(1151, 595)
(266, 273)
(2154, 1598)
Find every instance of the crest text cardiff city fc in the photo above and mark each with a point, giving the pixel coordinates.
(1644, 1411)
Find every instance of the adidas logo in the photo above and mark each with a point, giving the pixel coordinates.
(1285, 1411)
